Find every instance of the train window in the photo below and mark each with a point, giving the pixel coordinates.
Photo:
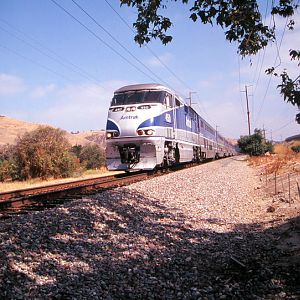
(186, 109)
(177, 102)
(202, 125)
(138, 97)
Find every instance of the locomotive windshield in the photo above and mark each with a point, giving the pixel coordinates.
(137, 97)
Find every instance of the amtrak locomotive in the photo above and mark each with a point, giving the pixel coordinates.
(148, 125)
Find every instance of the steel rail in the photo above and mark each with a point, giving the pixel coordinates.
(37, 198)
(17, 195)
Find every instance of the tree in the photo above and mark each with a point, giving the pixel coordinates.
(43, 153)
(241, 20)
(255, 144)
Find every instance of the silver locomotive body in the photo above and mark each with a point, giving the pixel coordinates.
(149, 126)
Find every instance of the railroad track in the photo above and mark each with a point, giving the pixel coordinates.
(32, 199)
(38, 198)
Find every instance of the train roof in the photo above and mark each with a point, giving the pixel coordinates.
(145, 86)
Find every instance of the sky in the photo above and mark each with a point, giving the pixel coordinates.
(59, 66)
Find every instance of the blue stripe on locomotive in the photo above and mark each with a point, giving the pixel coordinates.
(110, 125)
(165, 120)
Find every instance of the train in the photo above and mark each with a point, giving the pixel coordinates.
(150, 126)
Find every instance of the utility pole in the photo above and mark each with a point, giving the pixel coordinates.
(264, 131)
(217, 136)
(248, 112)
(271, 135)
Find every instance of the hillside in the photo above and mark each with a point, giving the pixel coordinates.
(11, 128)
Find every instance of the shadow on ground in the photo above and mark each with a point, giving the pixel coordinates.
(125, 246)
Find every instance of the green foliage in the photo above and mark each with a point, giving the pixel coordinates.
(8, 165)
(241, 21)
(255, 144)
(76, 150)
(296, 148)
(44, 153)
(92, 156)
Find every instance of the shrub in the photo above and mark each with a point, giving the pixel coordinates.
(92, 156)
(8, 165)
(255, 144)
(296, 148)
(44, 153)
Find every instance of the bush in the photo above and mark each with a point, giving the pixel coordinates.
(255, 144)
(92, 156)
(296, 148)
(8, 165)
(44, 153)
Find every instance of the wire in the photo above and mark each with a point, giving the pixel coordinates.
(271, 75)
(107, 32)
(285, 125)
(264, 53)
(59, 61)
(242, 106)
(101, 40)
(35, 62)
(46, 68)
(149, 49)
(120, 44)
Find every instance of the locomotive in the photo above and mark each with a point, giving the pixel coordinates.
(149, 126)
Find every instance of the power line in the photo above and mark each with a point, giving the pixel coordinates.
(263, 59)
(106, 44)
(59, 61)
(45, 67)
(264, 53)
(150, 50)
(241, 100)
(102, 41)
(116, 40)
(271, 75)
(36, 63)
(285, 125)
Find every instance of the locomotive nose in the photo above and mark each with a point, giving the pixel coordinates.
(129, 123)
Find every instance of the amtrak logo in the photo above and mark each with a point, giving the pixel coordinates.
(129, 117)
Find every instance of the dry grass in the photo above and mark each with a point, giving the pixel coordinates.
(18, 185)
(284, 159)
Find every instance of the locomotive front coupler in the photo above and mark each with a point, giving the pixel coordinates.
(130, 154)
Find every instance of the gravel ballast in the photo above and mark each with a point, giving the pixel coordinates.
(199, 233)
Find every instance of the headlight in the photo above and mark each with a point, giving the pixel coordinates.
(145, 132)
(149, 132)
(112, 134)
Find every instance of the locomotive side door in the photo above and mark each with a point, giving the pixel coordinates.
(176, 106)
(169, 116)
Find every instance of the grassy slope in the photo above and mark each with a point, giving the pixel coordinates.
(10, 129)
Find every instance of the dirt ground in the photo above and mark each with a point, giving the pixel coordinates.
(280, 179)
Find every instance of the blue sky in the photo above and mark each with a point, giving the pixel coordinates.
(55, 71)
